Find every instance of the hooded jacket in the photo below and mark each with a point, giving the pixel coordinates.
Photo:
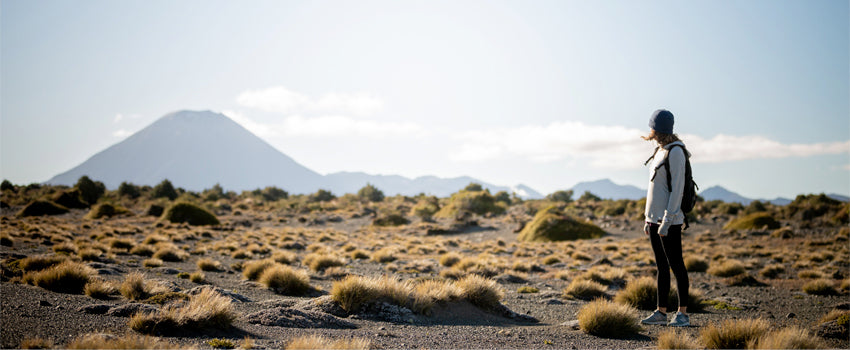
(663, 205)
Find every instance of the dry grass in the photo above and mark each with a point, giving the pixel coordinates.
(125, 341)
(820, 287)
(641, 293)
(207, 309)
(482, 292)
(152, 262)
(284, 257)
(285, 280)
(727, 268)
(318, 262)
(733, 334)
(170, 253)
(771, 271)
(253, 269)
(317, 342)
(606, 319)
(40, 262)
(671, 339)
(384, 255)
(359, 254)
(142, 250)
(696, 264)
(100, 289)
(36, 343)
(450, 259)
(207, 264)
(809, 274)
(136, 287)
(354, 292)
(788, 338)
(67, 277)
(198, 277)
(585, 289)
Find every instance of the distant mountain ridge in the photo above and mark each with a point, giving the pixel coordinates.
(198, 149)
(607, 189)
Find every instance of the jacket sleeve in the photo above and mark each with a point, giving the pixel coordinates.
(676, 160)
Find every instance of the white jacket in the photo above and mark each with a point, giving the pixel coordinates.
(662, 205)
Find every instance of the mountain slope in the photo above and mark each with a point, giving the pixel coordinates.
(607, 189)
(195, 150)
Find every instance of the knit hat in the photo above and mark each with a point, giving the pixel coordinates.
(662, 121)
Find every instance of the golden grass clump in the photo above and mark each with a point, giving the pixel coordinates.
(36, 343)
(100, 289)
(285, 280)
(125, 341)
(482, 292)
(771, 271)
(198, 277)
(585, 289)
(354, 292)
(136, 287)
(606, 319)
(696, 264)
(733, 334)
(170, 253)
(207, 264)
(809, 274)
(671, 339)
(727, 268)
(152, 262)
(142, 250)
(788, 338)
(207, 309)
(359, 254)
(65, 248)
(754, 221)
(66, 277)
(284, 257)
(384, 255)
(40, 262)
(820, 286)
(318, 262)
(641, 293)
(450, 259)
(253, 269)
(317, 342)
(189, 213)
(552, 224)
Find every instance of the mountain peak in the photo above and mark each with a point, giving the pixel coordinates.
(607, 189)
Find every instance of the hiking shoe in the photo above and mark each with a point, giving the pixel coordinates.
(657, 317)
(680, 320)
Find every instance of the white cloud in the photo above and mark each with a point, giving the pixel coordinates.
(259, 129)
(617, 147)
(279, 99)
(121, 117)
(326, 126)
(121, 133)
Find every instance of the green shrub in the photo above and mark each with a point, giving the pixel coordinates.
(127, 189)
(221, 343)
(551, 224)
(42, 207)
(426, 208)
(7, 186)
(527, 289)
(165, 189)
(105, 209)
(189, 213)
(475, 202)
(605, 319)
(70, 199)
(561, 196)
(90, 191)
(753, 221)
(370, 193)
(390, 219)
(273, 194)
(321, 196)
(811, 206)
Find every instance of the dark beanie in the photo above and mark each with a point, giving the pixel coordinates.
(662, 121)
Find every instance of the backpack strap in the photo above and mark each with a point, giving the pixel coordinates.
(666, 164)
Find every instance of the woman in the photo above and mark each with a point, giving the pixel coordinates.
(664, 217)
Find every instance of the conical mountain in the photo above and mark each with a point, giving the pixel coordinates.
(195, 150)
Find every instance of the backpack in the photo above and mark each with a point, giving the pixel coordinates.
(689, 195)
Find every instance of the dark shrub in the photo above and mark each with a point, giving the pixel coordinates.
(6, 185)
(272, 194)
(390, 219)
(755, 207)
(808, 207)
(473, 187)
(165, 189)
(475, 202)
(561, 196)
(503, 197)
(42, 207)
(70, 199)
(127, 189)
(189, 213)
(589, 197)
(105, 209)
(154, 210)
(370, 193)
(321, 196)
(753, 222)
(90, 191)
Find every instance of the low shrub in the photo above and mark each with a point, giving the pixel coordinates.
(585, 290)
(606, 319)
(696, 264)
(207, 309)
(317, 342)
(105, 210)
(390, 219)
(67, 277)
(820, 287)
(755, 221)
(733, 334)
(426, 208)
(473, 201)
(41, 208)
(285, 280)
(184, 212)
(70, 199)
(727, 268)
(789, 338)
(671, 339)
(551, 224)
(216, 343)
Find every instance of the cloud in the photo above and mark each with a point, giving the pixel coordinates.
(617, 147)
(120, 117)
(279, 99)
(121, 133)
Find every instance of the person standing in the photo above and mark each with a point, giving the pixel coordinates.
(664, 217)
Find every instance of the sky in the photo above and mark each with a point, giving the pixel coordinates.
(543, 93)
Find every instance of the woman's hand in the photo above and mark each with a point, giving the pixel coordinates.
(663, 228)
(646, 228)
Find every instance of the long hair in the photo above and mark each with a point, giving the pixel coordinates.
(661, 138)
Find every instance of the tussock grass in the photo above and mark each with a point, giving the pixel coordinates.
(100, 289)
(696, 264)
(152, 262)
(198, 277)
(317, 342)
(809, 274)
(585, 289)
(359, 254)
(253, 269)
(753, 221)
(552, 224)
(771, 271)
(207, 309)
(66, 248)
(36, 343)
(606, 319)
(788, 338)
(450, 259)
(482, 292)
(285, 280)
(40, 262)
(136, 287)
(189, 213)
(142, 250)
(353, 292)
(170, 253)
(101, 210)
(284, 257)
(727, 268)
(318, 262)
(207, 264)
(641, 293)
(733, 334)
(384, 255)
(67, 277)
(671, 339)
(820, 287)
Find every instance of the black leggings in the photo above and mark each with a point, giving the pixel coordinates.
(668, 255)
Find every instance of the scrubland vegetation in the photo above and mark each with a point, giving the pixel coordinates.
(260, 268)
